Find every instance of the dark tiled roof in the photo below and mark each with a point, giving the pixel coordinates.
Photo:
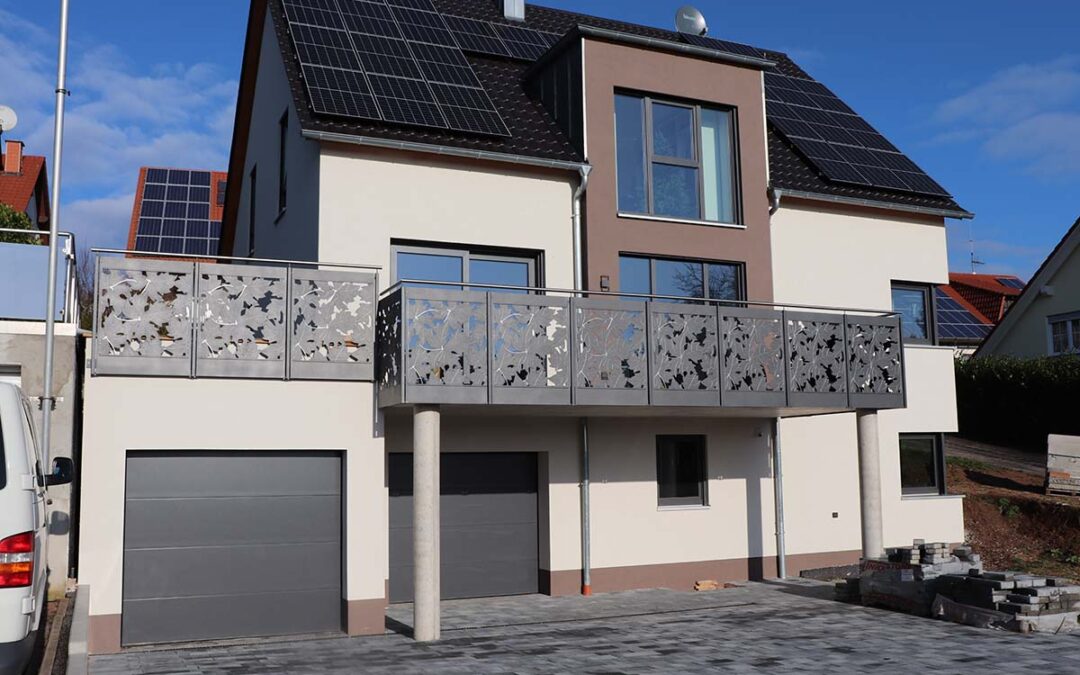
(535, 133)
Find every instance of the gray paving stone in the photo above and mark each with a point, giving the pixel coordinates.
(757, 628)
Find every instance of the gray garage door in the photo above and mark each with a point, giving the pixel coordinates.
(489, 529)
(231, 544)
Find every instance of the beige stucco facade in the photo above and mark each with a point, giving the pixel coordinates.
(836, 256)
(128, 414)
(369, 197)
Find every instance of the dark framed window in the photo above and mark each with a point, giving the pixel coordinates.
(1064, 334)
(914, 304)
(681, 471)
(283, 179)
(676, 160)
(251, 211)
(455, 265)
(682, 278)
(922, 464)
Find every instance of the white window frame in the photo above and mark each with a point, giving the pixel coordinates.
(1073, 346)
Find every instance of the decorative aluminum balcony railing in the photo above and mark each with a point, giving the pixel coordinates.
(198, 318)
(438, 343)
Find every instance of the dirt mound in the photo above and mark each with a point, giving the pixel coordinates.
(1014, 525)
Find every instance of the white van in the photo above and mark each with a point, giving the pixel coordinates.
(23, 530)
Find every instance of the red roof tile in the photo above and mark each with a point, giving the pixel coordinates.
(986, 292)
(16, 189)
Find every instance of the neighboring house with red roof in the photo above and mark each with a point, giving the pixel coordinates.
(177, 211)
(24, 184)
(990, 294)
(1045, 318)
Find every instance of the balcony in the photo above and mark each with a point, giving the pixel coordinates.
(24, 265)
(458, 344)
(199, 317)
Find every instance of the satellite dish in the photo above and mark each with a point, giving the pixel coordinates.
(8, 119)
(690, 20)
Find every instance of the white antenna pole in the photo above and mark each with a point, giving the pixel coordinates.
(971, 242)
(48, 401)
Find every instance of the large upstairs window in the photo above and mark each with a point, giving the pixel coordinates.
(681, 278)
(1064, 334)
(675, 160)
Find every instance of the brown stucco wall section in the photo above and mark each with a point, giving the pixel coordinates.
(609, 67)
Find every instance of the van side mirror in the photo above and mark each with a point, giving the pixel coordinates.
(63, 472)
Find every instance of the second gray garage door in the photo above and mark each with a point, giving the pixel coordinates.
(489, 525)
(231, 544)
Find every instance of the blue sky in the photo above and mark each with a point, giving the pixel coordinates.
(985, 96)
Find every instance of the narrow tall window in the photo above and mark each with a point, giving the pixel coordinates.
(675, 160)
(922, 464)
(283, 134)
(251, 212)
(912, 303)
(681, 471)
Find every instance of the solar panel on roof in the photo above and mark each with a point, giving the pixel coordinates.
(523, 43)
(1011, 283)
(377, 59)
(842, 145)
(463, 102)
(175, 213)
(477, 36)
(722, 45)
(954, 322)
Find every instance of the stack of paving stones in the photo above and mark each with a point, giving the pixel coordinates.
(932, 580)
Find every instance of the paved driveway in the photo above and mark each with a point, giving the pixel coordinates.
(774, 628)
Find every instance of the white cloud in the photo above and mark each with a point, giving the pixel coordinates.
(1028, 114)
(120, 116)
(99, 222)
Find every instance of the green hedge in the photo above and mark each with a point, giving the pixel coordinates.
(1011, 401)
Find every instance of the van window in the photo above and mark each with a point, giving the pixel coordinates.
(32, 451)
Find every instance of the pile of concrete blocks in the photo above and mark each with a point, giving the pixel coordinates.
(1021, 602)
(936, 580)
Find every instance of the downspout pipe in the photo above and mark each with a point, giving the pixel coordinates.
(586, 532)
(774, 200)
(778, 493)
(579, 284)
(579, 243)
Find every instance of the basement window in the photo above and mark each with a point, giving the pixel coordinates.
(681, 471)
(922, 464)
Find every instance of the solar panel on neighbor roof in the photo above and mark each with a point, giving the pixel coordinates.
(175, 214)
(956, 323)
(1010, 282)
(381, 60)
(842, 145)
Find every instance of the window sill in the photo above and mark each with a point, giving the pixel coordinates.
(927, 345)
(683, 221)
(683, 507)
(915, 496)
(280, 215)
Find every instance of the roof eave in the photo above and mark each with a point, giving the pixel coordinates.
(960, 214)
(667, 45)
(443, 150)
